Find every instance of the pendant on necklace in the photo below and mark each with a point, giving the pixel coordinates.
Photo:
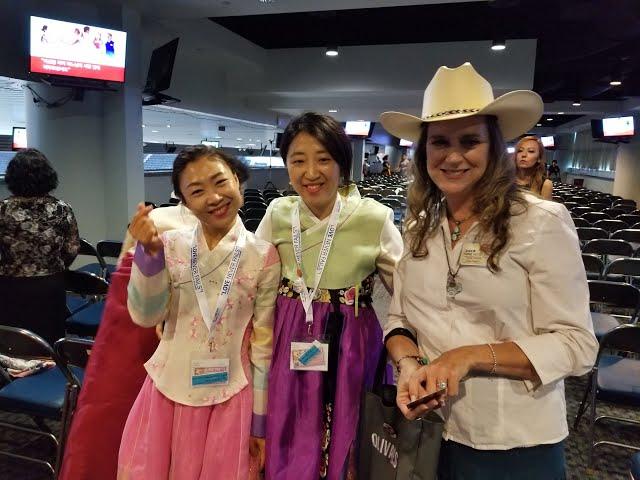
(455, 235)
(454, 287)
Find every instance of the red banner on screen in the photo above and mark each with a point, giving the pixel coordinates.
(71, 68)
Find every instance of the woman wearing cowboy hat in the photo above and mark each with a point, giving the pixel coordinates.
(491, 288)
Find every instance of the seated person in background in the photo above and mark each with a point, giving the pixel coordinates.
(38, 241)
(530, 167)
(554, 171)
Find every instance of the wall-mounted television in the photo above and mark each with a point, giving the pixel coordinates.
(211, 143)
(19, 138)
(76, 50)
(405, 143)
(547, 142)
(617, 127)
(359, 128)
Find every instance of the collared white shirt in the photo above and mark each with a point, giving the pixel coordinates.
(539, 300)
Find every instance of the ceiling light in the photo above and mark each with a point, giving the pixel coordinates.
(549, 119)
(333, 110)
(154, 131)
(560, 113)
(143, 125)
(576, 103)
(239, 139)
(615, 83)
(331, 52)
(498, 45)
(538, 124)
(168, 126)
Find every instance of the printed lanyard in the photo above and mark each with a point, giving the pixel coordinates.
(307, 296)
(225, 289)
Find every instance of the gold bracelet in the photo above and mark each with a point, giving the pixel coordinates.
(495, 360)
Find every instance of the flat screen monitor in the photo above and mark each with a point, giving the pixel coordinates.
(19, 138)
(511, 149)
(161, 67)
(547, 142)
(77, 50)
(617, 127)
(211, 143)
(358, 128)
(405, 143)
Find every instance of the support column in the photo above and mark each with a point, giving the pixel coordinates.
(357, 146)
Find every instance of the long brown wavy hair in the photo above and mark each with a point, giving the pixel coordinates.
(538, 172)
(495, 195)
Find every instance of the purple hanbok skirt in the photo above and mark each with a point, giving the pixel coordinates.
(296, 406)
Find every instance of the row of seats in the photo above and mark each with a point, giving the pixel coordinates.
(609, 230)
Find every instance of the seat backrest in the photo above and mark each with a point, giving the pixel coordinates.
(624, 266)
(611, 225)
(590, 233)
(608, 247)
(614, 294)
(251, 224)
(628, 234)
(592, 263)
(580, 222)
(614, 212)
(21, 343)
(624, 338)
(629, 218)
(581, 211)
(109, 248)
(593, 217)
(74, 351)
(254, 204)
(84, 283)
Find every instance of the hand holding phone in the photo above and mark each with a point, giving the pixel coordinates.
(426, 399)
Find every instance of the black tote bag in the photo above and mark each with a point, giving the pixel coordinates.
(392, 447)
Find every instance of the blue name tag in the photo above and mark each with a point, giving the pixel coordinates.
(210, 379)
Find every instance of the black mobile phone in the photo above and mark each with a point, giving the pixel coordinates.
(425, 399)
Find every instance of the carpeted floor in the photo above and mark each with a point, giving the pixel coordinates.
(610, 463)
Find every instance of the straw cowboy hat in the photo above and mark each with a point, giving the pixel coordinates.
(463, 92)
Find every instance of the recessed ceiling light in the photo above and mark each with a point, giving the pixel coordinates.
(549, 119)
(331, 52)
(239, 139)
(333, 110)
(576, 103)
(498, 45)
(615, 83)
(168, 126)
(154, 131)
(143, 125)
(560, 113)
(538, 124)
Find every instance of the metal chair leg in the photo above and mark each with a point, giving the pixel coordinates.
(584, 403)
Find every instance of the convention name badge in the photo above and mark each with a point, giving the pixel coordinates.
(310, 355)
(472, 255)
(209, 372)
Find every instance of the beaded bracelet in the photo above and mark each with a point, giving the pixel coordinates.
(495, 359)
(418, 358)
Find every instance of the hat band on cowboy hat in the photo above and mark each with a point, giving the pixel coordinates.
(462, 92)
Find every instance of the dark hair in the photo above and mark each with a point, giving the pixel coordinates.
(495, 195)
(86, 29)
(328, 132)
(195, 152)
(29, 174)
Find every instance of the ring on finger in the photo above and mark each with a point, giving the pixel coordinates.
(442, 385)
